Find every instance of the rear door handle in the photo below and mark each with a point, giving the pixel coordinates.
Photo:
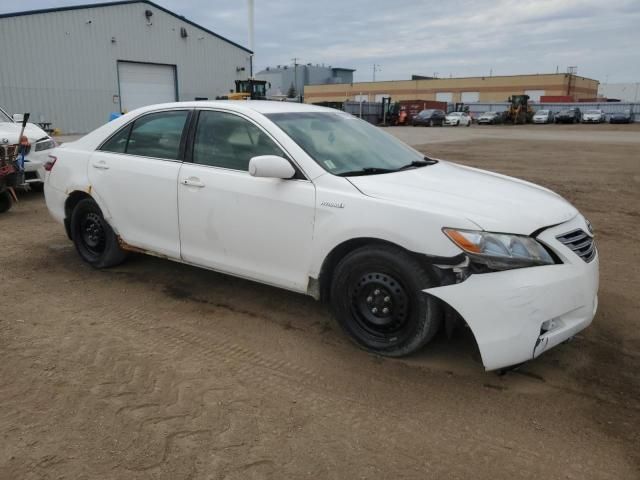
(101, 165)
(193, 182)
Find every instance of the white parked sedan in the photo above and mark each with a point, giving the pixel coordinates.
(319, 202)
(543, 116)
(457, 118)
(593, 116)
(40, 144)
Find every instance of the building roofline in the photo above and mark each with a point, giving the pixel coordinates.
(345, 69)
(121, 2)
(476, 76)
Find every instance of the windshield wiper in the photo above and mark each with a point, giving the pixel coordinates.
(417, 164)
(376, 170)
(365, 171)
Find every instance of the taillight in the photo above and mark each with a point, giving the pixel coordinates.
(48, 166)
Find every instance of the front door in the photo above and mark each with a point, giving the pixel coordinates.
(258, 228)
(134, 177)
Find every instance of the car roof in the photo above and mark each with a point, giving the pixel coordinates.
(260, 106)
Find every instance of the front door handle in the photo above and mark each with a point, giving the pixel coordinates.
(193, 182)
(101, 165)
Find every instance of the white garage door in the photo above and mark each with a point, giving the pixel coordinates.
(470, 97)
(145, 84)
(444, 97)
(534, 95)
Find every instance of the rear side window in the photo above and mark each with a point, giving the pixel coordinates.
(156, 135)
(117, 143)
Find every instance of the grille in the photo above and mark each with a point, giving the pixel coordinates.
(581, 244)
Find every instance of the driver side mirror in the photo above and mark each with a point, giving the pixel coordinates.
(271, 166)
(18, 117)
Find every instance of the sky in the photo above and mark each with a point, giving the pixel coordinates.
(426, 37)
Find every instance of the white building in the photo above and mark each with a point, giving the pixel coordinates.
(73, 66)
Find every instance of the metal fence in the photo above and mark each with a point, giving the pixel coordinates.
(607, 107)
(369, 111)
(372, 111)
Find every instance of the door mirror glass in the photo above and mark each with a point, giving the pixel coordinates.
(18, 117)
(271, 166)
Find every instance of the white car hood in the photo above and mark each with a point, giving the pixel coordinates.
(492, 201)
(10, 132)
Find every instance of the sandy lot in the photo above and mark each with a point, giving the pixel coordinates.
(159, 370)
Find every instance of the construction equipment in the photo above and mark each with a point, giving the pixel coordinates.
(520, 111)
(250, 89)
(12, 167)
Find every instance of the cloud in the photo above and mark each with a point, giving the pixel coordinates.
(457, 37)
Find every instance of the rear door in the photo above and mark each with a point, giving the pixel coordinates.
(134, 176)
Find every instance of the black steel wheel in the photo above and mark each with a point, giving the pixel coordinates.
(5, 201)
(93, 237)
(376, 296)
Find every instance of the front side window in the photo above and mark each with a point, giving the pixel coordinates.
(228, 141)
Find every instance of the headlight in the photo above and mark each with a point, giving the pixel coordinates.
(500, 251)
(45, 144)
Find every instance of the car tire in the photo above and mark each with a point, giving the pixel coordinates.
(93, 237)
(5, 201)
(371, 279)
(431, 124)
(37, 186)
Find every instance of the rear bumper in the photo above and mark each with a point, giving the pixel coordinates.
(516, 315)
(55, 200)
(34, 166)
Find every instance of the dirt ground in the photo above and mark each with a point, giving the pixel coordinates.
(159, 370)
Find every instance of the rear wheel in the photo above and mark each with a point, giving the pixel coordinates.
(376, 296)
(93, 237)
(5, 201)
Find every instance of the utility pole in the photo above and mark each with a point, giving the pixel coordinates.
(295, 75)
(251, 24)
(376, 68)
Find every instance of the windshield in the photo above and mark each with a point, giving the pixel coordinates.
(455, 114)
(595, 112)
(543, 112)
(425, 113)
(342, 143)
(489, 114)
(4, 116)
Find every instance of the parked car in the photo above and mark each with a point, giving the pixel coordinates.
(458, 118)
(40, 145)
(593, 116)
(429, 118)
(568, 115)
(490, 118)
(621, 117)
(543, 116)
(317, 201)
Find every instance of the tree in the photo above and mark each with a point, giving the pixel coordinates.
(291, 93)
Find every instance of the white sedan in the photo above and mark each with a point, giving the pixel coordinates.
(457, 118)
(40, 144)
(319, 202)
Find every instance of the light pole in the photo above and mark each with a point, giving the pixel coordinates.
(295, 74)
(376, 68)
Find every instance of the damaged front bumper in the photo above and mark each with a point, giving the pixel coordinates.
(516, 315)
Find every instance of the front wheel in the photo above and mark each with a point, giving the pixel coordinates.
(5, 201)
(376, 296)
(93, 237)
